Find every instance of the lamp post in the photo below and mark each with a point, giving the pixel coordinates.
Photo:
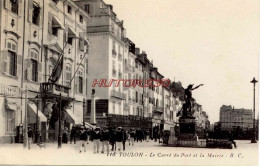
(253, 140)
(60, 134)
(25, 135)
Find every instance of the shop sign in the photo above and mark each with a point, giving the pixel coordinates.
(9, 90)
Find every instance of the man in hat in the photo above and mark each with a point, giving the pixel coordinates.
(188, 95)
(132, 136)
(119, 138)
(30, 135)
(96, 139)
(105, 138)
(82, 139)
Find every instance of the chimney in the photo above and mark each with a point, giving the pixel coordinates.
(137, 51)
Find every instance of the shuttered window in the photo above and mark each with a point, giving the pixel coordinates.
(34, 70)
(68, 74)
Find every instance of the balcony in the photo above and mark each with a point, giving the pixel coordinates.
(54, 89)
(158, 109)
(118, 95)
(158, 117)
(102, 28)
(114, 52)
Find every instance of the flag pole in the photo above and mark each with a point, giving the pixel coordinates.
(77, 69)
(25, 139)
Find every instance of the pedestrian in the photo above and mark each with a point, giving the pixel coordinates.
(113, 139)
(105, 138)
(82, 139)
(96, 139)
(159, 136)
(119, 138)
(65, 135)
(231, 138)
(132, 136)
(124, 138)
(73, 135)
(30, 135)
(147, 135)
(88, 134)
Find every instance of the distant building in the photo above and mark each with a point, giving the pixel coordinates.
(232, 118)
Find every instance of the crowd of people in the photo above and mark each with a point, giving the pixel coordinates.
(105, 137)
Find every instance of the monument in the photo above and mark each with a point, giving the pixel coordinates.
(93, 109)
(187, 136)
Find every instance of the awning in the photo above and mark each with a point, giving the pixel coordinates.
(87, 125)
(11, 104)
(71, 32)
(56, 22)
(32, 112)
(70, 117)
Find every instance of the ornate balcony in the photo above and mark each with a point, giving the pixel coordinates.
(158, 109)
(54, 89)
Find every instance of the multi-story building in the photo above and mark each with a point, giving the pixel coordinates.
(168, 109)
(107, 52)
(231, 118)
(34, 37)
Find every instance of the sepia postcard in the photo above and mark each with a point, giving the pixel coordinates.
(129, 82)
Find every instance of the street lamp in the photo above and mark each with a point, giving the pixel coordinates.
(253, 140)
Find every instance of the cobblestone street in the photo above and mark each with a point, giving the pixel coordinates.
(150, 153)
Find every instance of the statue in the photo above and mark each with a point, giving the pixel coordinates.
(188, 105)
(93, 92)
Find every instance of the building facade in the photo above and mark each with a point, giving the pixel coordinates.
(35, 36)
(231, 118)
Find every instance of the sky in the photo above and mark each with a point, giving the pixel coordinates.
(213, 42)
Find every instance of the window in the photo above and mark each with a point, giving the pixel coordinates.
(69, 9)
(81, 18)
(34, 70)
(10, 121)
(114, 45)
(68, 74)
(87, 8)
(114, 107)
(14, 6)
(12, 64)
(80, 85)
(136, 97)
(113, 28)
(70, 40)
(36, 14)
(55, 31)
(86, 66)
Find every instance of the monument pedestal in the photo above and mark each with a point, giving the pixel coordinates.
(187, 134)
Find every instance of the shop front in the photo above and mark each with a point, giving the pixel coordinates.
(10, 114)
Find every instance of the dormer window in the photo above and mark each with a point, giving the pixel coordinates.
(87, 8)
(81, 19)
(69, 9)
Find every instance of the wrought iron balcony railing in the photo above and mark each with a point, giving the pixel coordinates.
(54, 88)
